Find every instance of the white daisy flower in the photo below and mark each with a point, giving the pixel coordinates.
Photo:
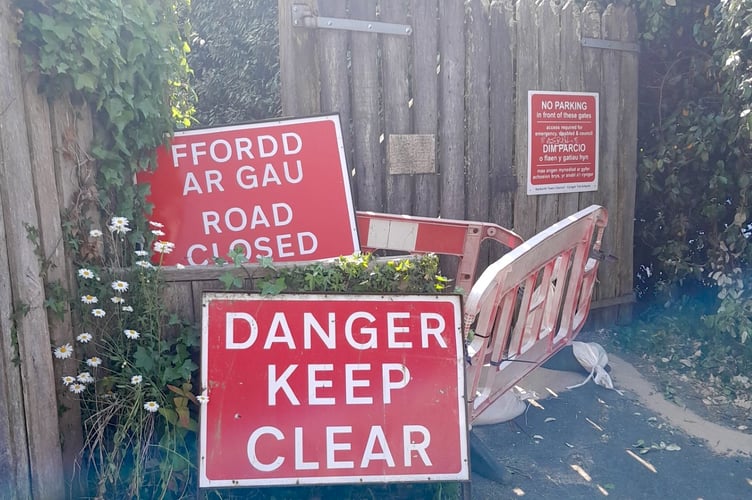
(65, 351)
(141, 253)
(85, 378)
(85, 273)
(99, 313)
(95, 233)
(151, 406)
(120, 286)
(203, 399)
(94, 361)
(68, 380)
(157, 232)
(77, 388)
(84, 337)
(136, 379)
(153, 223)
(119, 225)
(117, 300)
(145, 264)
(89, 299)
(164, 246)
(128, 309)
(132, 334)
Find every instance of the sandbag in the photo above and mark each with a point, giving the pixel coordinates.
(593, 358)
(508, 407)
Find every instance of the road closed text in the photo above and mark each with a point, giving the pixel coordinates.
(332, 388)
(254, 189)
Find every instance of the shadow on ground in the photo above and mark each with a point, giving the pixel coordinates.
(578, 447)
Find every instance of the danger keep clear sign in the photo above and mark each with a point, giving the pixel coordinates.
(307, 389)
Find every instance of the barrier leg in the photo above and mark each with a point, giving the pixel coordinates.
(482, 460)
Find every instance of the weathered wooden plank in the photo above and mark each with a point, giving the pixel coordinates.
(197, 288)
(477, 121)
(592, 78)
(625, 206)
(477, 110)
(608, 178)
(178, 299)
(452, 109)
(16, 188)
(395, 51)
(335, 87)
(424, 94)
(57, 272)
(14, 455)
(548, 16)
(501, 88)
(367, 128)
(298, 68)
(525, 207)
(571, 79)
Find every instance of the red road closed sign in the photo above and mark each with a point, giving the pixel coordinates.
(274, 189)
(562, 142)
(320, 389)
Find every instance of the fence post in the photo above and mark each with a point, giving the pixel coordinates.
(27, 288)
(298, 67)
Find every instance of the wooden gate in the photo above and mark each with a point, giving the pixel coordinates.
(433, 98)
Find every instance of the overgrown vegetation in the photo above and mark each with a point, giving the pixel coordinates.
(235, 60)
(127, 60)
(692, 235)
(693, 225)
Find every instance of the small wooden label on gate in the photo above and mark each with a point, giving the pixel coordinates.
(412, 154)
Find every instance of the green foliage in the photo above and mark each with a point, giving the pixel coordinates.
(360, 273)
(235, 60)
(692, 222)
(127, 60)
(671, 333)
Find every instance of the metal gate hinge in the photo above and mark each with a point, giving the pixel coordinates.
(303, 17)
(600, 43)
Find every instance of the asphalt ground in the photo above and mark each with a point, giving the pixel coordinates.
(590, 442)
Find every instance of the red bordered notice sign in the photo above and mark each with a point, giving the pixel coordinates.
(306, 389)
(562, 142)
(275, 189)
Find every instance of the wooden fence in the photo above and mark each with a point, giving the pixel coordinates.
(459, 81)
(44, 172)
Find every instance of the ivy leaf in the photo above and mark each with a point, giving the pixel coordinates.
(273, 287)
(84, 81)
(230, 281)
(266, 262)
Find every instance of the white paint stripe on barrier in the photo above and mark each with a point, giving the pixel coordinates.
(394, 235)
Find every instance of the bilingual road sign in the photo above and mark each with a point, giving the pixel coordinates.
(277, 189)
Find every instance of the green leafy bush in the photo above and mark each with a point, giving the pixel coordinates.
(235, 59)
(127, 60)
(692, 221)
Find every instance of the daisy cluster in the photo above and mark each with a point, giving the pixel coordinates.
(114, 292)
